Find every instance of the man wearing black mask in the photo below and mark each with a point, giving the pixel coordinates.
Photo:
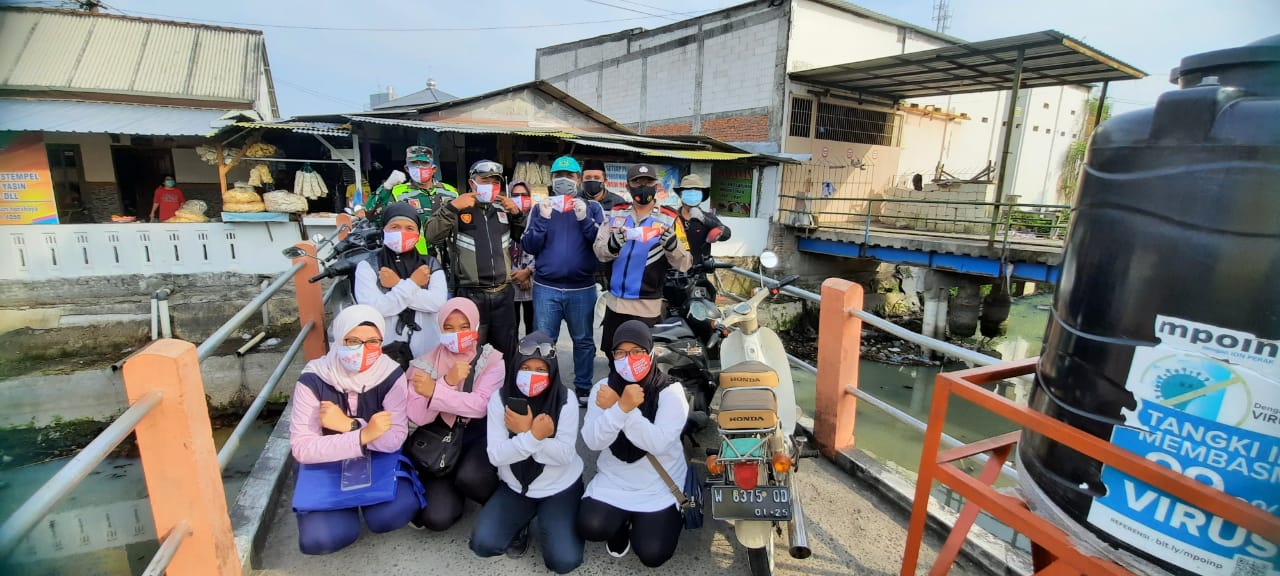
(639, 241)
(593, 179)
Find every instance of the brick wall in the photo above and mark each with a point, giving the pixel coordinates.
(101, 200)
(676, 129)
(751, 128)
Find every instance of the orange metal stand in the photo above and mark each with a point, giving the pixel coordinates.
(1055, 553)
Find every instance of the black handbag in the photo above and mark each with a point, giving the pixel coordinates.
(434, 448)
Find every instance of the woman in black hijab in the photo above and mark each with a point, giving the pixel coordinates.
(404, 285)
(634, 413)
(533, 435)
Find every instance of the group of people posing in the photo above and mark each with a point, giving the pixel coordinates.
(433, 340)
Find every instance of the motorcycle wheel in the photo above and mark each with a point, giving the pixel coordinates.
(761, 560)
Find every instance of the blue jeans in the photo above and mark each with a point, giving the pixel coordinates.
(578, 308)
(327, 531)
(556, 529)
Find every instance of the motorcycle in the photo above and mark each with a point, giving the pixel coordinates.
(363, 238)
(680, 351)
(751, 480)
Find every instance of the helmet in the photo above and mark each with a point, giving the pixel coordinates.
(485, 168)
(566, 164)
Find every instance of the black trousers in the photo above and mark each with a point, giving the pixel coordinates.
(610, 325)
(497, 318)
(653, 535)
(524, 310)
(472, 478)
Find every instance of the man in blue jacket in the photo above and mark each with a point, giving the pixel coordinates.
(560, 234)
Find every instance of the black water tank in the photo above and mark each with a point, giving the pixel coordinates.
(1167, 317)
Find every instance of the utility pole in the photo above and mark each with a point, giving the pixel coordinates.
(941, 16)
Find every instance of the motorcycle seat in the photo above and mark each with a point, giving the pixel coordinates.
(672, 331)
(748, 408)
(748, 373)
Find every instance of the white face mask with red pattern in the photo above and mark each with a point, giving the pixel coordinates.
(633, 368)
(358, 358)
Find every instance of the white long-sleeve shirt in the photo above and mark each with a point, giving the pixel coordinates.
(557, 453)
(637, 487)
(425, 302)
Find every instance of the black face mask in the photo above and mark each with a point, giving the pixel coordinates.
(592, 188)
(643, 195)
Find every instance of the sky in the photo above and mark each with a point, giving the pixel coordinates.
(490, 44)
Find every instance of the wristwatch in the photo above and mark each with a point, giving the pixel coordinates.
(355, 425)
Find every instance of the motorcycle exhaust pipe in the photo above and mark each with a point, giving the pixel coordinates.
(797, 531)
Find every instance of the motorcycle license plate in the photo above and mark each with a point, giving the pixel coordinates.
(762, 503)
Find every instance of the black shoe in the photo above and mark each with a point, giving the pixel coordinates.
(619, 544)
(583, 395)
(519, 545)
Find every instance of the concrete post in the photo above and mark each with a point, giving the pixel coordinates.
(179, 463)
(839, 350)
(310, 301)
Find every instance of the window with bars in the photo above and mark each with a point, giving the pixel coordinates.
(801, 116)
(856, 125)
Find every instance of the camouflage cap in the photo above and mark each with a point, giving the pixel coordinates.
(418, 154)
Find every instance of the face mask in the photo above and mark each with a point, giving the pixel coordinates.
(169, 183)
(400, 241)
(633, 368)
(643, 195)
(522, 202)
(422, 174)
(532, 383)
(459, 342)
(485, 192)
(691, 197)
(564, 187)
(358, 358)
(593, 188)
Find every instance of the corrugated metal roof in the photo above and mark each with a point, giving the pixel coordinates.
(430, 95)
(83, 52)
(696, 155)
(105, 117)
(321, 128)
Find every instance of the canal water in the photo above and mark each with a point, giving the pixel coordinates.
(104, 527)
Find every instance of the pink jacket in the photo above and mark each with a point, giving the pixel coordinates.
(311, 446)
(451, 402)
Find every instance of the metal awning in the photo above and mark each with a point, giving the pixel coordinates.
(28, 115)
(318, 128)
(693, 155)
(1048, 58)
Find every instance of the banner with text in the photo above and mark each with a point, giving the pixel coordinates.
(26, 191)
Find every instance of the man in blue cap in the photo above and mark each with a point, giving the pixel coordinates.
(561, 231)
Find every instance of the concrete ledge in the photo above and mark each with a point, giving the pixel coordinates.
(255, 505)
(981, 546)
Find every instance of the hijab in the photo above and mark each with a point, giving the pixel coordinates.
(440, 357)
(403, 264)
(329, 369)
(549, 402)
(653, 383)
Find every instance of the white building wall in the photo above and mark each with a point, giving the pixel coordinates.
(621, 94)
(95, 153)
(824, 36)
(669, 82)
(737, 69)
(585, 86)
(657, 39)
(555, 64)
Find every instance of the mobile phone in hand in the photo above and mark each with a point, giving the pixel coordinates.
(518, 405)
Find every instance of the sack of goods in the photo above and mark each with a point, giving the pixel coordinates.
(242, 198)
(190, 211)
(210, 154)
(279, 201)
(308, 184)
(260, 175)
(260, 150)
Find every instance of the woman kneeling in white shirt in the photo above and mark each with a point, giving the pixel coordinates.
(637, 410)
(533, 432)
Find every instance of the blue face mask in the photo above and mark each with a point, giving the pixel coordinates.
(691, 197)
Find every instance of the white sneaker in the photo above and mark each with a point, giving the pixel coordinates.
(624, 551)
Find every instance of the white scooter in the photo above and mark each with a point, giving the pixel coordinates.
(751, 480)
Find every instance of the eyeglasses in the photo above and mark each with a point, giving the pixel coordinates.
(359, 342)
(634, 353)
(543, 349)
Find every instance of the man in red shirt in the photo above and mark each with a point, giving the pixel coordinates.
(166, 199)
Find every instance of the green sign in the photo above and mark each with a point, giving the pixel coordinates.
(731, 189)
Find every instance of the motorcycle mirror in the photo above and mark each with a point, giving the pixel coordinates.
(768, 259)
(703, 310)
(292, 252)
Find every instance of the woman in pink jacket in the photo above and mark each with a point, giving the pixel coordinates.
(350, 401)
(437, 382)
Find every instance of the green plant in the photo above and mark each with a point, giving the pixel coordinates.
(1069, 182)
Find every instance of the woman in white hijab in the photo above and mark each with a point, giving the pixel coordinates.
(347, 402)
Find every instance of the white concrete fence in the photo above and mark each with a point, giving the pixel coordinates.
(46, 252)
